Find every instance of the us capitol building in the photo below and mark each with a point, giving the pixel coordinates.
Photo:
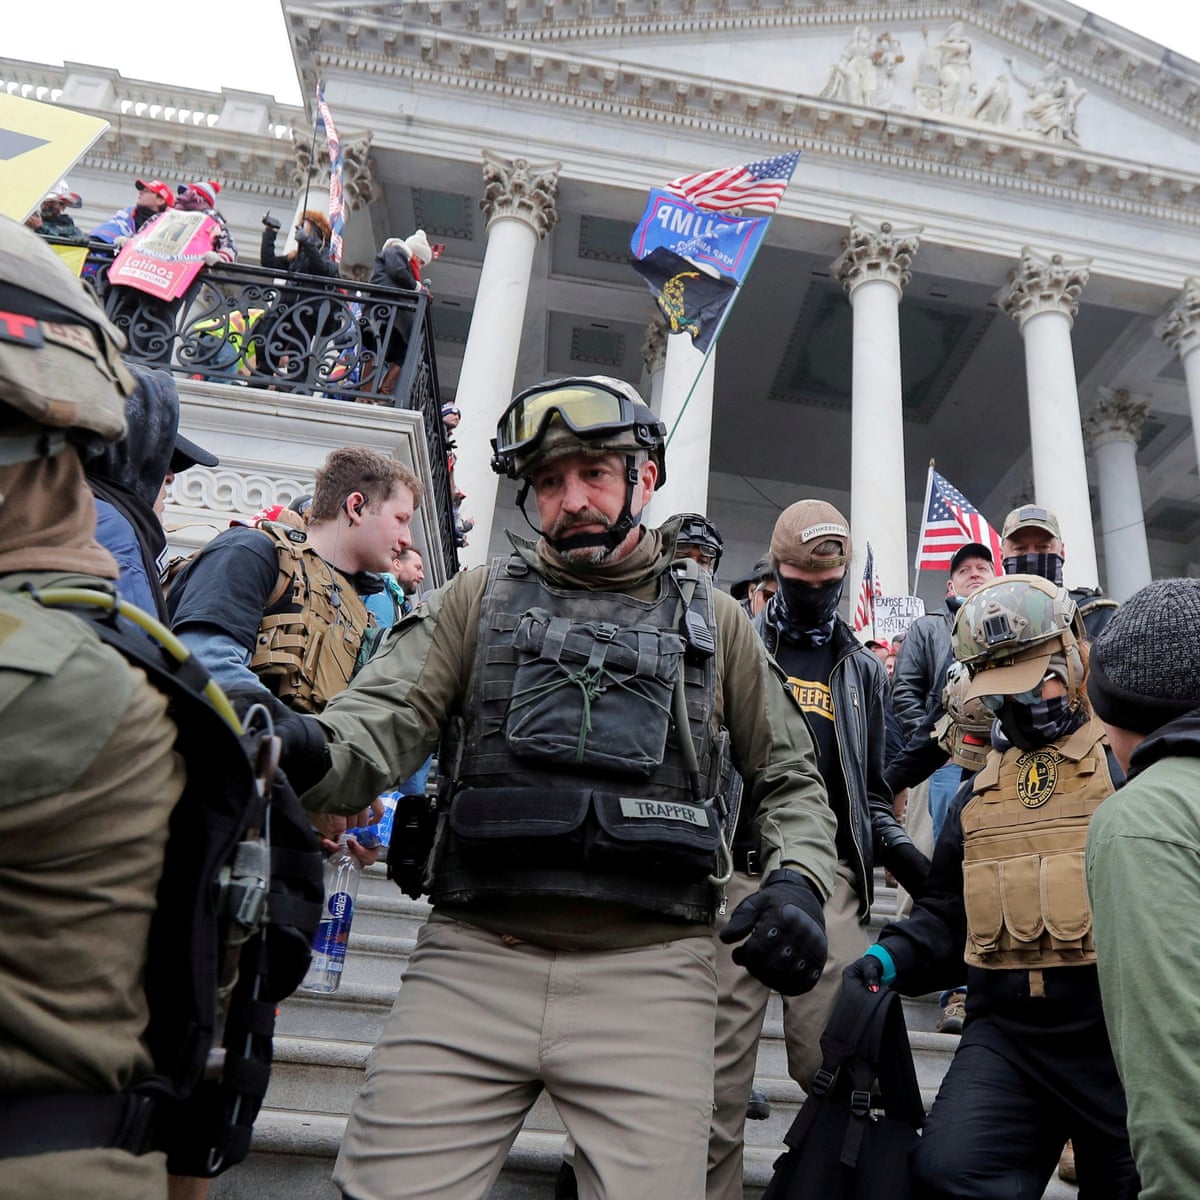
(989, 254)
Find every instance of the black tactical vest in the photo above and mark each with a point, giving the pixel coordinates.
(573, 780)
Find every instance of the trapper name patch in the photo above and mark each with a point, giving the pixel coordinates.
(663, 810)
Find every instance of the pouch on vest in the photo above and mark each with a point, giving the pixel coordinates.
(592, 694)
(841, 1146)
(585, 829)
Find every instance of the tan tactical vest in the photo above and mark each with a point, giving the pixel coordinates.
(1024, 835)
(312, 630)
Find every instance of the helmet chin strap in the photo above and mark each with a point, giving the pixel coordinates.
(610, 538)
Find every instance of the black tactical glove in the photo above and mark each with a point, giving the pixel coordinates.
(305, 755)
(910, 867)
(302, 236)
(269, 221)
(864, 972)
(786, 948)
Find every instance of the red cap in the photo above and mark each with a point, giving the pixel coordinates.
(159, 188)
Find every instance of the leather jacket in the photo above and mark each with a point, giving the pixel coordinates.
(857, 685)
(921, 667)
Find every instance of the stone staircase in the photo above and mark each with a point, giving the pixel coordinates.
(322, 1045)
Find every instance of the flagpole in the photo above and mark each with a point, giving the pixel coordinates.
(921, 537)
(728, 309)
(312, 150)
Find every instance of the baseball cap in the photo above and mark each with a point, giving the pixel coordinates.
(1020, 674)
(804, 523)
(970, 550)
(62, 191)
(188, 454)
(1030, 515)
(159, 188)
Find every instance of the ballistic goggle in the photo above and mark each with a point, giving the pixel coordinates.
(590, 409)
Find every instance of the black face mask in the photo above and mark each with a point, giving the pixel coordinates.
(1032, 726)
(954, 603)
(804, 613)
(1048, 566)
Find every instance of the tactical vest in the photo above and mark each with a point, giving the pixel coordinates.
(1024, 836)
(573, 779)
(312, 629)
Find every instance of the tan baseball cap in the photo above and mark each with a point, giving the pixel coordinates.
(805, 524)
(1031, 516)
(1019, 674)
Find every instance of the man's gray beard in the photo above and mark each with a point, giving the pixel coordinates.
(588, 556)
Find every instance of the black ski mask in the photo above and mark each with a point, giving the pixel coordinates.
(1048, 566)
(1032, 726)
(804, 613)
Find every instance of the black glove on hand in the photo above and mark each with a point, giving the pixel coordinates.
(910, 867)
(864, 972)
(305, 755)
(786, 948)
(269, 221)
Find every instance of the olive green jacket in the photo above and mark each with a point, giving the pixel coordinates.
(391, 717)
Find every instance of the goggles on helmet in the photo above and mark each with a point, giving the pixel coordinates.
(589, 409)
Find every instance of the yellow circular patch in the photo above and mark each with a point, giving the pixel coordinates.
(1037, 775)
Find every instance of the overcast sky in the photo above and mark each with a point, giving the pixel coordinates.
(250, 50)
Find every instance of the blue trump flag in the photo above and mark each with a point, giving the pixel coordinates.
(717, 243)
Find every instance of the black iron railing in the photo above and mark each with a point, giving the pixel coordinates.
(300, 333)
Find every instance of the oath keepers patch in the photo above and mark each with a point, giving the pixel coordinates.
(663, 810)
(1037, 776)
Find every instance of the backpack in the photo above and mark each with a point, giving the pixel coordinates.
(238, 903)
(841, 1146)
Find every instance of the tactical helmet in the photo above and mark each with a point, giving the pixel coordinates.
(580, 414)
(697, 530)
(965, 730)
(1006, 631)
(60, 362)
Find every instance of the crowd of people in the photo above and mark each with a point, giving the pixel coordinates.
(658, 802)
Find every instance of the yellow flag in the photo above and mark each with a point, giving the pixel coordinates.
(39, 144)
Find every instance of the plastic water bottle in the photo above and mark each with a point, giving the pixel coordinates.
(342, 874)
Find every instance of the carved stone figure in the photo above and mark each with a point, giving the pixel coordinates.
(1054, 100)
(995, 104)
(863, 73)
(944, 81)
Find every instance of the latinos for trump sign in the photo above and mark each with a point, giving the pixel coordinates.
(726, 244)
(165, 256)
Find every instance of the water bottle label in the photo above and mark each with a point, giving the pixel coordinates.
(333, 933)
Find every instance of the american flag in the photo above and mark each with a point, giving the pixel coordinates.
(864, 614)
(754, 185)
(337, 198)
(951, 521)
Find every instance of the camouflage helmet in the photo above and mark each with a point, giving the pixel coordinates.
(589, 414)
(1007, 630)
(60, 362)
(964, 732)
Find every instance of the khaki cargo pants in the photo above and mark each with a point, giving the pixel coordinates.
(621, 1040)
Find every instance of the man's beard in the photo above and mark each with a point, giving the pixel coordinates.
(585, 556)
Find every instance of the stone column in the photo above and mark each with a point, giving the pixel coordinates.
(873, 268)
(654, 356)
(1113, 429)
(1179, 327)
(1042, 296)
(689, 429)
(519, 201)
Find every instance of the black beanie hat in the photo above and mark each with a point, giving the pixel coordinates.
(1144, 668)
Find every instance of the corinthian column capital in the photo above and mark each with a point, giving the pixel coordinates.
(518, 188)
(1043, 283)
(876, 251)
(1179, 326)
(358, 183)
(1118, 414)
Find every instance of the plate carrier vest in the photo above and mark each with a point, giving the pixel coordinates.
(521, 825)
(1024, 837)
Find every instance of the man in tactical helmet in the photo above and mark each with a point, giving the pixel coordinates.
(841, 686)
(1034, 1066)
(90, 771)
(1032, 545)
(579, 863)
(699, 539)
